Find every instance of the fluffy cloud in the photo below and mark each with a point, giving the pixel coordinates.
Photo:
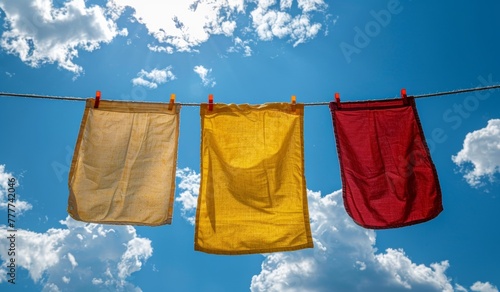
(86, 256)
(311, 5)
(481, 148)
(39, 33)
(20, 206)
(270, 22)
(187, 24)
(344, 257)
(241, 45)
(409, 275)
(483, 287)
(204, 74)
(161, 49)
(153, 78)
(188, 198)
(42, 31)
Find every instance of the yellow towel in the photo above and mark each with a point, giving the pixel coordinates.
(253, 194)
(123, 168)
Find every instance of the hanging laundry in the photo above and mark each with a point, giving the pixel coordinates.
(123, 168)
(253, 194)
(388, 177)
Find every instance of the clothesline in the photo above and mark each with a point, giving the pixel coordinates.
(72, 98)
(239, 210)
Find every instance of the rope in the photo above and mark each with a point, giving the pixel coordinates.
(458, 91)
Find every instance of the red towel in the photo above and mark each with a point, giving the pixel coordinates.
(388, 177)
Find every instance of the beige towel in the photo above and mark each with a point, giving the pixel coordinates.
(123, 169)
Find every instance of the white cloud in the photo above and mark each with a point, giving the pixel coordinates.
(204, 74)
(286, 4)
(153, 78)
(311, 5)
(481, 148)
(51, 287)
(344, 258)
(3, 275)
(190, 186)
(20, 206)
(161, 49)
(483, 287)
(39, 33)
(138, 251)
(241, 45)
(72, 260)
(85, 256)
(408, 274)
(187, 24)
(270, 23)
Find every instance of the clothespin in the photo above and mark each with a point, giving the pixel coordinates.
(404, 96)
(337, 99)
(210, 102)
(293, 102)
(172, 101)
(97, 98)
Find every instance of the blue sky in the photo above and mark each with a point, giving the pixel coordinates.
(251, 52)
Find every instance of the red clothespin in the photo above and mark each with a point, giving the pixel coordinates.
(210, 102)
(172, 101)
(293, 102)
(337, 99)
(97, 98)
(404, 96)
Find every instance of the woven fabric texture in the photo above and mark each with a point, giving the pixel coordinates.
(388, 177)
(123, 168)
(253, 194)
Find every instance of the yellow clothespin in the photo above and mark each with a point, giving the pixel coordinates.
(172, 101)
